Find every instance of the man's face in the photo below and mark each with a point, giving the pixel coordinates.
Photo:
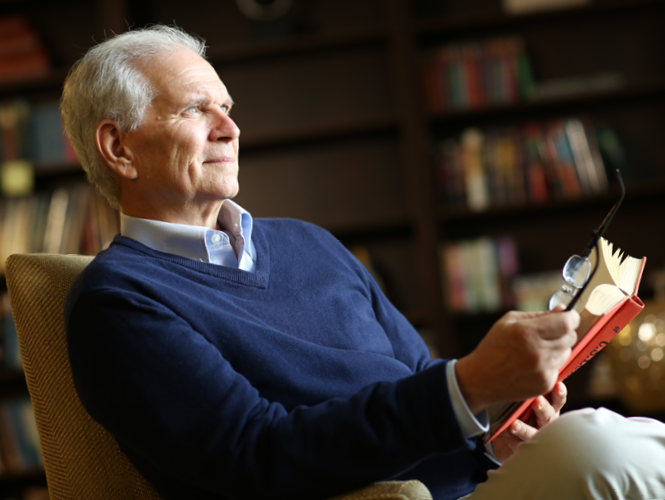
(186, 150)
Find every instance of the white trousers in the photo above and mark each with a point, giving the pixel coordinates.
(587, 455)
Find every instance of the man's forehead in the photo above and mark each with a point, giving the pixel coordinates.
(184, 71)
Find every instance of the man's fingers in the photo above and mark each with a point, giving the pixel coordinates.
(557, 324)
(558, 396)
(522, 431)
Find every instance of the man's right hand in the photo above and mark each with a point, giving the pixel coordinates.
(519, 358)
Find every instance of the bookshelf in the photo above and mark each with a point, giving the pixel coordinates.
(336, 129)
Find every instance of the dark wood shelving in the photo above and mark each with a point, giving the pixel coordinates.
(12, 483)
(460, 25)
(293, 45)
(12, 383)
(629, 94)
(305, 134)
(52, 82)
(640, 192)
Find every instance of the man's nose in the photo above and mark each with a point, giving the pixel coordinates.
(224, 128)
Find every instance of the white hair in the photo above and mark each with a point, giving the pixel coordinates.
(107, 84)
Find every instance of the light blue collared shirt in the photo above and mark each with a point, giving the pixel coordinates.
(217, 247)
(198, 242)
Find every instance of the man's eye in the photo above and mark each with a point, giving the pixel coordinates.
(226, 108)
(191, 110)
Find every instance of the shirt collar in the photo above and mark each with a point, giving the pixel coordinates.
(193, 242)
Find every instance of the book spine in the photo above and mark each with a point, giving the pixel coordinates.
(600, 335)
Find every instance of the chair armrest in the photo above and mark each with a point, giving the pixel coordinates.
(390, 490)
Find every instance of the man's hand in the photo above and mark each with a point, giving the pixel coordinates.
(519, 358)
(545, 409)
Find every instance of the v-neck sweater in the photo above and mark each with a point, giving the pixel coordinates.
(298, 380)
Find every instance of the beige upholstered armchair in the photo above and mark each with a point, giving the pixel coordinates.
(82, 460)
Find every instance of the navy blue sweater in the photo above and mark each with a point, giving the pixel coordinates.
(299, 380)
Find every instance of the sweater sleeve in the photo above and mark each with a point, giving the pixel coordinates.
(408, 346)
(172, 399)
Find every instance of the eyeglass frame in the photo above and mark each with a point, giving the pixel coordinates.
(576, 296)
(596, 235)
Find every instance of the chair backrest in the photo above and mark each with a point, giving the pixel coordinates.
(82, 459)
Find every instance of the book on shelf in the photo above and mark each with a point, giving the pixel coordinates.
(70, 219)
(475, 74)
(537, 162)
(22, 54)
(34, 133)
(19, 441)
(478, 273)
(606, 306)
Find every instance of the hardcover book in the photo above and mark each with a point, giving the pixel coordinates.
(607, 305)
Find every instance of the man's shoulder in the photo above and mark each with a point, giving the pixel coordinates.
(124, 254)
(293, 227)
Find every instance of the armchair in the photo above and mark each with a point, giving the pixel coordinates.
(81, 458)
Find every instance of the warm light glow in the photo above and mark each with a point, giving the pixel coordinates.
(646, 332)
(657, 354)
(624, 337)
(660, 339)
(644, 362)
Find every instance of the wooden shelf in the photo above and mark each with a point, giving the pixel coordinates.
(14, 482)
(461, 25)
(645, 91)
(636, 193)
(50, 83)
(12, 384)
(311, 133)
(292, 46)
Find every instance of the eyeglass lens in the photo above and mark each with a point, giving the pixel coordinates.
(575, 273)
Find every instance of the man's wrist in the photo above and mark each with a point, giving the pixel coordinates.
(466, 374)
(472, 424)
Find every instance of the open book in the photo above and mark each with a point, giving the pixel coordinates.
(607, 305)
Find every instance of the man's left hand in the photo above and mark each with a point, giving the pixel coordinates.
(545, 409)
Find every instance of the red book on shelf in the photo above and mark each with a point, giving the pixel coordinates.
(608, 305)
(30, 65)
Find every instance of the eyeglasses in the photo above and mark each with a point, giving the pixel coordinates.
(577, 270)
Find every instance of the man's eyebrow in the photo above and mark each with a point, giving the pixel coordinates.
(203, 100)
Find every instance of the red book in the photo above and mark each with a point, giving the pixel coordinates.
(609, 303)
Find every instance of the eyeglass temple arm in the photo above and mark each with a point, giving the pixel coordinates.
(606, 222)
(576, 297)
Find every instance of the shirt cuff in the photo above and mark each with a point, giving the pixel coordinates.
(471, 425)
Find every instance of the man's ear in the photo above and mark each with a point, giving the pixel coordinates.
(111, 145)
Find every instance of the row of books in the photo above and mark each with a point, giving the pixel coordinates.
(534, 163)
(478, 273)
(19, 442)
(34, 132)
(532, 292)
(22, 53)
(72, 219)
(477, 74)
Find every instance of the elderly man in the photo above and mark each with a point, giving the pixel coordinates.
(241, 358)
